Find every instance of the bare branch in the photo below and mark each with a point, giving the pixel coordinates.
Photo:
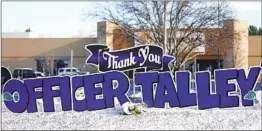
(187, 21)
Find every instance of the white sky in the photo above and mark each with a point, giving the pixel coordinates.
(64, 19)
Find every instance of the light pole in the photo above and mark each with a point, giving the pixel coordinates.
(218, 24)
(72, 53)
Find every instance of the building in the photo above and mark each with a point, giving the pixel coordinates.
(38, 53)
(19, 50)
(19, 35)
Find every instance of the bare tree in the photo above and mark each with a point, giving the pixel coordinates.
(186, 22)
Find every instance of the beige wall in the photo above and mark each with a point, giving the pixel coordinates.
(111, 35)
(237, 49)
(21, 52)
(255, 53)
(101, 32)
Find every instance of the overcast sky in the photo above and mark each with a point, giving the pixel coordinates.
(64, 19)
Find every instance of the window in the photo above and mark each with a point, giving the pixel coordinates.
(61, 70)
(40, 64)
(68, 70)
(17, 73)
(44, 66)
(28, 71)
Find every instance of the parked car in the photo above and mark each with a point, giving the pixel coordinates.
(22, 73)
(39, 74)
(134, 93)
(5, 76)
(83, 72)
(67, 71)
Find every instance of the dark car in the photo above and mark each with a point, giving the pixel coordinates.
(5, 76)
(22, 73)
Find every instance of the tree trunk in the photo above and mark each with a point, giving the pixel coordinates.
(174, 67)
